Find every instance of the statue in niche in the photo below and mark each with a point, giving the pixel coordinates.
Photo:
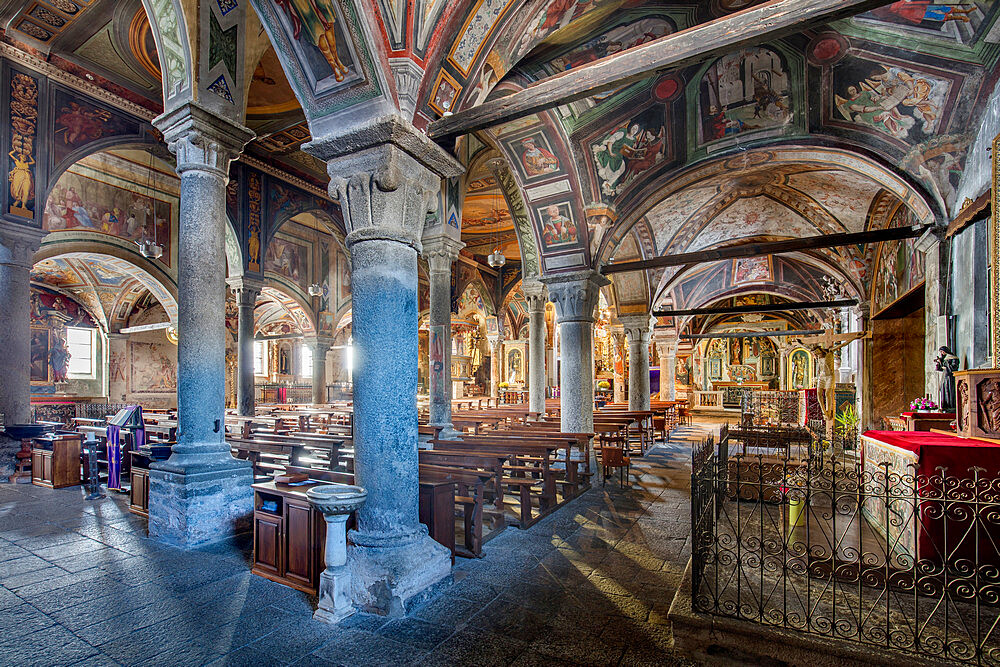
(514, 367)
(284, 363)
(948, 363)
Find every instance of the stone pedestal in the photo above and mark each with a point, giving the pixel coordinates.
(575, 297)
(246, 292)
(201, 493)
(336, 502)
(637, 330)
(441, 252)
(385, 178)
(534, 294)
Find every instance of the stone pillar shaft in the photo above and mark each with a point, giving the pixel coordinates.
(668, 369)
(246, 299)
(385, 177)
(319, 350)
(17, 248)
(575, 297)
(441, 253)
(637, 330)
(534, 294)
(201, 493)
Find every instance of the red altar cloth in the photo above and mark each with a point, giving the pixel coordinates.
(950, 503)
(929, 415)
(956, 454)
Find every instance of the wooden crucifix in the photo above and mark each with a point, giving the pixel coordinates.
(822, 347)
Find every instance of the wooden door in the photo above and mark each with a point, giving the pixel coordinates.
(47, 467)
(300, 544)
(267, 545)
(37, 465)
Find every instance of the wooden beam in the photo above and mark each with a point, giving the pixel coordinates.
(756, 334)
(768, 248)
(768, 308)
(748, 27)
(145, 327)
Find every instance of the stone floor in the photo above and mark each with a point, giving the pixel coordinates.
(590, 584)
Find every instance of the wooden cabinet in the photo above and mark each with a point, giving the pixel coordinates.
(138, 498)
(289, 537)
(55, 461)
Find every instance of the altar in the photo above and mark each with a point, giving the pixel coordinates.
(922, 490)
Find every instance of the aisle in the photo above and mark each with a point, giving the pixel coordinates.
(590, 584)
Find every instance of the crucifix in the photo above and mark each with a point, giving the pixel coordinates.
(822, 347)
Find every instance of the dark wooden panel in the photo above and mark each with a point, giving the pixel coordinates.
(300, 544)
(267, 543)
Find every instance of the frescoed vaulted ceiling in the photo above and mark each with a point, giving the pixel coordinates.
(855, 125)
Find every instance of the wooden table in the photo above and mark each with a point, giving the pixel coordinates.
(55, 460)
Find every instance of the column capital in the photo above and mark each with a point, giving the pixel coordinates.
(318, 343)
(18, 244)
(441, 252)
(246, 290)
(637, 327)
(201, 139)
(575, 294)
(535, 295)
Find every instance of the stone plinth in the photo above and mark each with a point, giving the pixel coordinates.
(193, 505)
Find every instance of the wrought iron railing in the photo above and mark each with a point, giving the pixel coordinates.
(900, 561)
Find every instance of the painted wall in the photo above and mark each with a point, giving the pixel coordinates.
(969, 302)
(51, 313)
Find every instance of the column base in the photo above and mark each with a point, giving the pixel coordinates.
(9, 447)
(384, 579)
(334, 595)
(199, 504)
(448, 432)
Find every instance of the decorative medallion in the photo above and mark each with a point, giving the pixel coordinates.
(34, 31)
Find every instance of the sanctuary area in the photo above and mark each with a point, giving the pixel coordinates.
(499, 332)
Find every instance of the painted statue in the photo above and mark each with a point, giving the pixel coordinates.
(948, 363)
(20, 179)
(799, 371)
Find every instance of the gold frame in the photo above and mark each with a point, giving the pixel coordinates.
(995, 253)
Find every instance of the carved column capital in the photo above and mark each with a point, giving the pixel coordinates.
(441, 252)
(246, 290)
(535, 295)
(18, 244)
(638, 328)
(575, 294)
(318, 344)
(202, 140)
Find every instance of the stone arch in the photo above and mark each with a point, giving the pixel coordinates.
(171, 32)
(291, 301)
(146, 272)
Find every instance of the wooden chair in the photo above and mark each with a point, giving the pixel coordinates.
(614, 457)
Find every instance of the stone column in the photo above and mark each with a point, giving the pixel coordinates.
(441, 252)
(667, 350)
(17, 248)
(246, 292)
(618, 357)
(496, 365)
(638, 329)
(534, 294)
(575, 297)
(385, 176)
(201, 493)
(319, 347)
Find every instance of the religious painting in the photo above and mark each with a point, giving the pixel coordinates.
(616, 40)
(78, 123)
(682, 371)
(515, 367)
(751, 270)
(953, 22)
(321, 41)
(799, 369)
(939, 162)
(745, 91)
(535, 159)
(551, 16)
(54, 310)
(630, 149)
(446, 90)
(899, 267)
(287, 259)
(38, 368)
(492, 326)
(82, 202)
(902, 103)
(152, 368)
(558, 226)
(714, 369)
(344, 273)
(23, 129)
